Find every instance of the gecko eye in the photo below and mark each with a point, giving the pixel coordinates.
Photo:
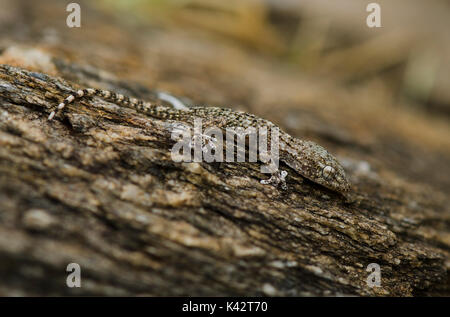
(328, 172)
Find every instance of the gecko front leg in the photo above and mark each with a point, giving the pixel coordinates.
(277, 178)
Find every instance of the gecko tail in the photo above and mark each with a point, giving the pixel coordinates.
(79, 94)
(119, 99)
(90, 92)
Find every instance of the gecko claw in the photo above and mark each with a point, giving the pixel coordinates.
(276, 179)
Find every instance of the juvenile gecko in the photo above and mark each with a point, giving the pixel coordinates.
(307, 158)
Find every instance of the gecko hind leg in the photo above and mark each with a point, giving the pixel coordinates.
(206, 142)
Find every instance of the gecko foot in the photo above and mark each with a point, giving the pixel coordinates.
(207, 142)
(276, 179)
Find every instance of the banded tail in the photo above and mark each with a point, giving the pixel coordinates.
(133, 103)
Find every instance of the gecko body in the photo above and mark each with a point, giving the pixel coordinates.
(307, 158)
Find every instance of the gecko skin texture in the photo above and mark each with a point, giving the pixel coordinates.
(307, 158)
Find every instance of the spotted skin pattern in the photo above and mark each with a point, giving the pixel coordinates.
(307, 158)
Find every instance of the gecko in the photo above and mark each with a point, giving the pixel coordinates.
(307, 158)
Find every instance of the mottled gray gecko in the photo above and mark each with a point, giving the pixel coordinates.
(307, 158)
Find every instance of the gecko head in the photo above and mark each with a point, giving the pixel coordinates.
(318, 165)
(326, 170)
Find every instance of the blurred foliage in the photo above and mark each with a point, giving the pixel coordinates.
(324, 38)
(245, 21)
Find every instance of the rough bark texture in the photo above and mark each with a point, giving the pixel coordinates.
(98, 187)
